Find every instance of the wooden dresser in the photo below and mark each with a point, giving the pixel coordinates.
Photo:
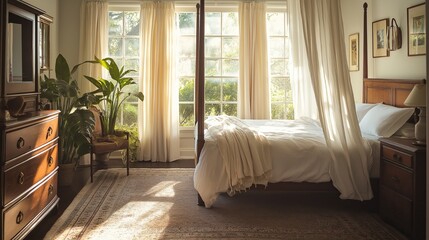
(29, 172)
(29, 137)
(403, 186)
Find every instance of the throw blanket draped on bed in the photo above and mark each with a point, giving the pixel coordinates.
(244, 152)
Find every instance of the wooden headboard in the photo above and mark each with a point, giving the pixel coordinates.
(388, 91)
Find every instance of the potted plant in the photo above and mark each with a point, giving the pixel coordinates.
(76, 122)
(111, 93)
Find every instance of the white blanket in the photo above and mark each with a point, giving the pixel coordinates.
(244, 152)
(298, 153)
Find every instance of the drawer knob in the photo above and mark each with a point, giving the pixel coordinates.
(21, 178)
(50, 161)
(19, 217)
(397, 157)
(50, 190)
(49, 132)
(20, 143)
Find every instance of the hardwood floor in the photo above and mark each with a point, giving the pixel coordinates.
(67, 193)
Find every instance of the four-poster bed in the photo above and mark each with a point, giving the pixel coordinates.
(387, 91)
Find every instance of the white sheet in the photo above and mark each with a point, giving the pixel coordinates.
(298, 154)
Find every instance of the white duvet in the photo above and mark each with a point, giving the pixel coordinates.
(298, 154)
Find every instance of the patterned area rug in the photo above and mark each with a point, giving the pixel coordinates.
(161, 204)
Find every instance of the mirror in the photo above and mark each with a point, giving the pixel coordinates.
(44, 43)
(19, 45)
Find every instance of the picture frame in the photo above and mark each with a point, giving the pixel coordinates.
(354, 52)
(416, 25)
(379, 38)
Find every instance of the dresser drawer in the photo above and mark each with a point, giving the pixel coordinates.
(26, 139)
(396, 178)
(24, 175)
(396, 209)
(24, 211)
(397, 156)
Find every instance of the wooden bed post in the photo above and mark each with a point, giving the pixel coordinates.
(365, 41)
(199, 83)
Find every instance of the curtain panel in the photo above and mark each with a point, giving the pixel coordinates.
(158, 113)
(253, 92)
(93, 39)
(323, 40)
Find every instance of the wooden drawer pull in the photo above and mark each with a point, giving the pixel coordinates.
(396, 179)
(49, 132)
(50, 190)
(50, 161)
(19, 217)
(20, 143)
(397, 157)
(21, 178)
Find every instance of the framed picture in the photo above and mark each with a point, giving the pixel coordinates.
(379, 38)
(354, 52)
(416, 19)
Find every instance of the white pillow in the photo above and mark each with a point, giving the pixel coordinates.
(384, 120)
(362, 109)
(406, 131)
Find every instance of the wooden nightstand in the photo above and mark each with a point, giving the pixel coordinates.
(403, 185)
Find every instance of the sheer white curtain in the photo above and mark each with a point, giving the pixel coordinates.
(158, 113)
(93, 39)
(324, 44)
(254, 101)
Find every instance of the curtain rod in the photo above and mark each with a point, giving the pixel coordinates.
(211, 2)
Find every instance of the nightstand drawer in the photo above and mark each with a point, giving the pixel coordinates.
(396, 178)
(397, 156)
(396, 209)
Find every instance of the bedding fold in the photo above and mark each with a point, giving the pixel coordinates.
(244, 152)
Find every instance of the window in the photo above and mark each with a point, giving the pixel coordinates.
(221, 64)
(124, 48)
(280, 87)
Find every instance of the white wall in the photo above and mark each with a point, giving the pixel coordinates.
(70, 26)
(51, 7)
(398, 64)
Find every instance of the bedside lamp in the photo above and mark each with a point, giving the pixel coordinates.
(417, 98)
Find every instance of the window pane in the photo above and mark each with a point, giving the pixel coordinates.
(230, 47)
(132, 64)
(278, 90)
(212, 109)
(212, 47)
(186, 114)
(212, 89)
(213, 23)
(278, 67)
(132, 47)
(187, 23)
(276, 24)
(132, 23)
(186, 67)
(230, 89)
(187, 47)
(115, 47)
(212, 67)
(277, 47)
(186, 90)
(278, 111)
(230, 109)
(132, 88)
(129, 114)
(230, 23)
(230, 67)
(115, 23)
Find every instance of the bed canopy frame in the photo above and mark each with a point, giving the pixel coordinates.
(375, 90)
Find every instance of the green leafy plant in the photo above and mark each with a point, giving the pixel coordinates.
(76, 122)
(134, 142)
(111, 93)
